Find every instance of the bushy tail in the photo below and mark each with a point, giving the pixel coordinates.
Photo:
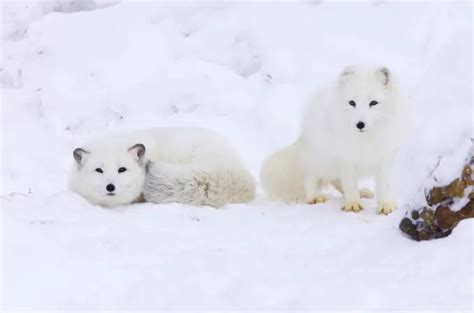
(281, 176)
(213, 186)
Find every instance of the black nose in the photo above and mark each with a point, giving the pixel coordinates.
(110, 187)
(360, 125)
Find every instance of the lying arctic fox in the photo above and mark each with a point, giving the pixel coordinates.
(188, 165)
(351, 129)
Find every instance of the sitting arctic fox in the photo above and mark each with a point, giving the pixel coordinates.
(349, 130)
(188, 165)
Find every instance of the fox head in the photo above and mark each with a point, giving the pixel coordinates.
(366, 98)
(109, 177)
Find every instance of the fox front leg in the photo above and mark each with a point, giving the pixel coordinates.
(383, 179)
(350, 189)
(313, 187)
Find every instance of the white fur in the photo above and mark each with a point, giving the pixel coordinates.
(187, 165)
(331, 149)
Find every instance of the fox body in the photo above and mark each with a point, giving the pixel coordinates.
(351, 129)
(188, 165)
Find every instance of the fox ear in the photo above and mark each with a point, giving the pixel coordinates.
(138, 152)
(346, 75)
(383, 75)
(79, 156)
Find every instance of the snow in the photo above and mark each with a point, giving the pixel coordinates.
(74, 71)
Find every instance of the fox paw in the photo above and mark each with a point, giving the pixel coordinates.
(352, 207)
(386, 208)
(318, 199)
(366, 193)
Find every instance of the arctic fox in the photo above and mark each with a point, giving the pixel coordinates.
(349, 130)
(188, 165)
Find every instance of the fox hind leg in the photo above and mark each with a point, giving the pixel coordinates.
(364, 193)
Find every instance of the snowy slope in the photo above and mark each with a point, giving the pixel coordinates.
(245, 70)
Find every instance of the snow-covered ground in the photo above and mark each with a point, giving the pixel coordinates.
(74, 69)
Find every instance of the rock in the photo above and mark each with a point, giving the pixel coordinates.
(437, 220)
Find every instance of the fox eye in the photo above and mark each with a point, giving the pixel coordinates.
(352, 103)
(122, 169)
(99, 170)
(372, 103)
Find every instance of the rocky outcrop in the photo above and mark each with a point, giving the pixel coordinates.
(446, 207)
